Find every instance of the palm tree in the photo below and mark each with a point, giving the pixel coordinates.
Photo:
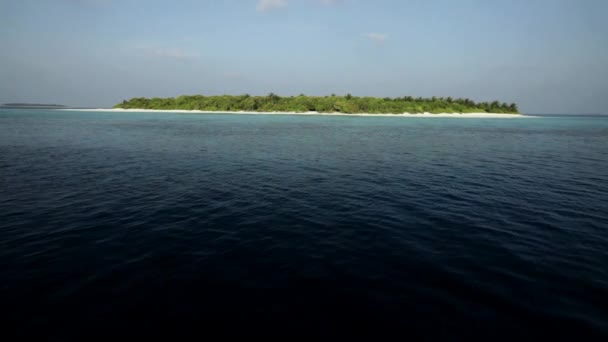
(273, 98)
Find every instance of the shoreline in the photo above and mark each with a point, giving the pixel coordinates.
(419, 115)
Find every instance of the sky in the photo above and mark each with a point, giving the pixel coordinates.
(549, 56)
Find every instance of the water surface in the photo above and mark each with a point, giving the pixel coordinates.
(142, 223)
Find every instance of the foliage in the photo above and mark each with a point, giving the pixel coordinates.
(324, 104)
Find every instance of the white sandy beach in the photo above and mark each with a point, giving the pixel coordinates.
(403, 115)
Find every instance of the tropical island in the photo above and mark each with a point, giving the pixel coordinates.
(347, 104)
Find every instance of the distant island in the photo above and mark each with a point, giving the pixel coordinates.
(32, 105)
(322, 104)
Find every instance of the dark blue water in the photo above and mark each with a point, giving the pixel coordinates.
(116, 224)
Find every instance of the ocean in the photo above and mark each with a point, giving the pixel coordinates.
(145, 224)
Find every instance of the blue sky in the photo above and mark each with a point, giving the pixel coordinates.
(550, 56)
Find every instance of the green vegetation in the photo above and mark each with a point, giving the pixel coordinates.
(327, 104)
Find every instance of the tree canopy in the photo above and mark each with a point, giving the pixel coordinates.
(348, 104)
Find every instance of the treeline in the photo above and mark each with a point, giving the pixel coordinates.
(324, 104)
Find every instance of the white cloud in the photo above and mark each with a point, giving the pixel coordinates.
(233, 75)
(172, 53)
(377, 37)
(269, 5)
(154, 50)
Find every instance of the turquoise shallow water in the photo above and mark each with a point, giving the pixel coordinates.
(142, 223)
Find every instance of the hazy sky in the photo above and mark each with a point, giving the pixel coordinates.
(550, 56)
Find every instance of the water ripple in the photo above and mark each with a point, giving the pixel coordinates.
(478, 227)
